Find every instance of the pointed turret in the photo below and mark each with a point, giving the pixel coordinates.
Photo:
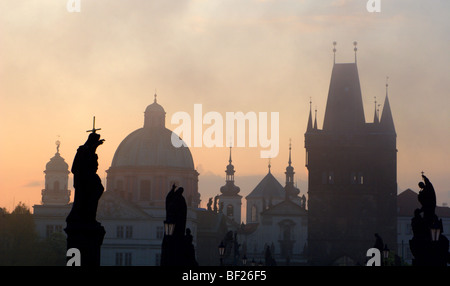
(309, 127)
(375, 113)
(315, 120)
(386, 120)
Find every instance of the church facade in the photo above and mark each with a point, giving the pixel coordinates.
(276, 220)
(132, 208)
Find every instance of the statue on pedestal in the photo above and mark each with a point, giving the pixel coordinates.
(426, 249)
(84, 232)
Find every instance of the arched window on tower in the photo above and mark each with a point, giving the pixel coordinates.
(230, 211)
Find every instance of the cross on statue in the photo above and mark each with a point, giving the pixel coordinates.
(93, 130)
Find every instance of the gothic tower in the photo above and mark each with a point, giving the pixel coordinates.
(352, 175)
(230, 198)
(56, 172)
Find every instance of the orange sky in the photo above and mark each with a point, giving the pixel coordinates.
(58, 69)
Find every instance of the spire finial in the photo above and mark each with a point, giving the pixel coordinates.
(269, 165)
(355, 49)
(58, 143)
(375, 116)
(155, 96)
(290, 147)
(230, 155)
(309, 127)
(315, 118)
(387, 85)
(334, 52)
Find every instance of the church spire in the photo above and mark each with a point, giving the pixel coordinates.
(375, 116)
(290, 189)
(315, 119)
(230, 170)
(310, 123)
(289, 152)
(229, 189)
(386, 120)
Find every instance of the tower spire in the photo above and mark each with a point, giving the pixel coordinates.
(355, 49)
(375, 116)
(315, 119)
(309, 127)
(230, 170)
(387, 85)
(290, 143)
(386, 120)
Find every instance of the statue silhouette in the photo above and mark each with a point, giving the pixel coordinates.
(177, 249)
(189, 249)
(84, 232)
(428, 252)
(427, 198)
(88, 185)
(181, 212)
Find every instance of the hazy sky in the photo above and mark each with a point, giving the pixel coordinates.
(59, 69)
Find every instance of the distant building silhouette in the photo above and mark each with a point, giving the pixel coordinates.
(230, 197)
(50, 216)
(352, 180)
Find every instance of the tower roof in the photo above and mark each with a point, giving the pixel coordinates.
(269, 187)
(344, 111)
(309, 127)
(386, 121)
(57, 163)
(230, 189)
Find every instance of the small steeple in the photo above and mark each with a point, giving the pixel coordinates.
(310, 123)
(386, 120)
(290, 143)
(315, 120)
(230, 170)
(375, 116)
(290, 190)
(229, 188)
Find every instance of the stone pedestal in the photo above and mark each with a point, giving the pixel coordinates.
(88, 239)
